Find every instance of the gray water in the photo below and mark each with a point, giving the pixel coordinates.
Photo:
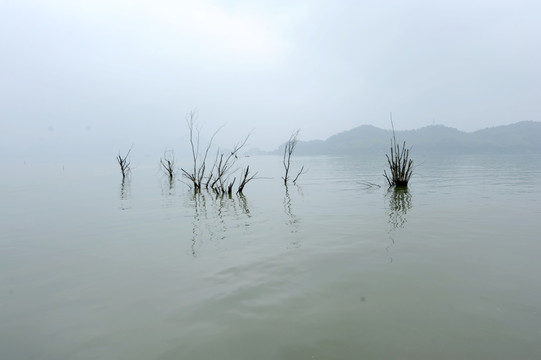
(331, 268)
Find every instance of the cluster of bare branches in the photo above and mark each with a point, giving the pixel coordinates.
(220, 178)
(124, 163)
(288, 151)
(197, 174)
(400, 165)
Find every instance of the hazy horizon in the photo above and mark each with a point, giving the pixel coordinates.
(61, 151)
(108, 74)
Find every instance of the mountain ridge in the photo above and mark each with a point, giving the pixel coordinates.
(524, 136)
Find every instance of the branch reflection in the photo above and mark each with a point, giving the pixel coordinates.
(215, 215)
(124, 193)
(399, 205)
(168, 186)
(168, 192)
(292, 220)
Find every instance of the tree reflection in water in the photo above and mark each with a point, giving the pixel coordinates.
(169, 189)
(215, 215)
(124, 193)
(292, 220)
(168, 192)
(399, 205)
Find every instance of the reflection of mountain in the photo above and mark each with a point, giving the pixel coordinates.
(519, 137)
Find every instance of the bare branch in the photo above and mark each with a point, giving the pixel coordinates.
(301, 171)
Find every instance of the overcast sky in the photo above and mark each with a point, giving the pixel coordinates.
(109, 73)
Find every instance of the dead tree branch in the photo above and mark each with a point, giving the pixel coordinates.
(288, 151)
(245, 179)
(167, 163)
(124, 163)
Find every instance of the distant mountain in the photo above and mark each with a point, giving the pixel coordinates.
(519, 137)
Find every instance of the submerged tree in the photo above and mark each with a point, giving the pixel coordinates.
(167, 164)
(245, 179)
(289, 147)
(197, 174)
(223, 167)
(400, 165)
(124, 163)
(218, 178)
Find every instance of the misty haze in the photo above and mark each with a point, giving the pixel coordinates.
(225, 180)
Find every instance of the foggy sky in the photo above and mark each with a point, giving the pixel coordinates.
(110, 73)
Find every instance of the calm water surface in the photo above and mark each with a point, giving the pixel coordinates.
(331, 268)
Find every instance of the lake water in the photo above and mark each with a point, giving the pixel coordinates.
(330, 268)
